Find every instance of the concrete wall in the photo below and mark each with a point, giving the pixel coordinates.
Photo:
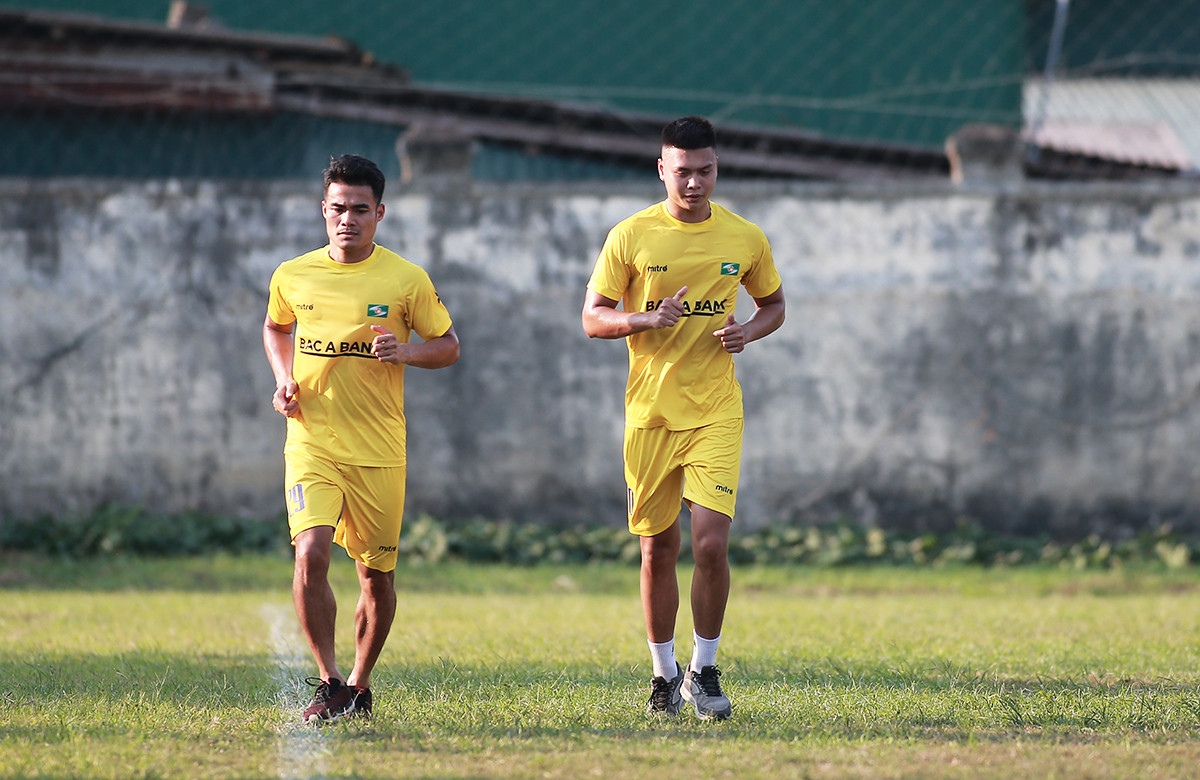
(1025, 354)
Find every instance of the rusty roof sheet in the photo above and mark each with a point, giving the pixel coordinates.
(1148, 122)
(66, 31)
(1148, 144)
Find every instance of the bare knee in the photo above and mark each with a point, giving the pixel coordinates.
(710, 540)
(376, 584)
(660, 553)
(314, 549)
(710, 552)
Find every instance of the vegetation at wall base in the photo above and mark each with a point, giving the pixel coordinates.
(112, 531)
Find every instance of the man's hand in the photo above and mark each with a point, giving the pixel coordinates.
(669, 311)
(386, 346)
(285, 399)
(732, 336)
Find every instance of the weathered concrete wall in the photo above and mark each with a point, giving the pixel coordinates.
(1024, 354)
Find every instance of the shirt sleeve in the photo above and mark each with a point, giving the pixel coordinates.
(428, 316)
(610, 277)
(278, 308)
(763, 278)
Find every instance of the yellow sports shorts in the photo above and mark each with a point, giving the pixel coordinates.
(663, 467)
(364, 504)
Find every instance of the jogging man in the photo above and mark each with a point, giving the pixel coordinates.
(676, 267)
(339, 381)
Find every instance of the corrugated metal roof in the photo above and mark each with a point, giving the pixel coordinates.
(1151, 122)
(29, 28)
(74, 62)
(66, 62)
(1149, 144)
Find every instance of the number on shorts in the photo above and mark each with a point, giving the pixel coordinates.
(295, 499)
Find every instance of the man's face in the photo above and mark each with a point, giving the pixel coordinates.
(690, 175)
(351, 217)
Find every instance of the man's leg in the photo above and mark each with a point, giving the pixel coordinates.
(317, 610)
(660, 606)
(372, 620)
(659, 585)
(655, 483)
(313, 597)
(370, 532)
(710, 594)
(710, 582)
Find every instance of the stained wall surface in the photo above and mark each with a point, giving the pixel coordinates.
(1022, 354)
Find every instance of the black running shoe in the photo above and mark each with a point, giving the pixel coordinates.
(664, 694)
(363, 703)
(332, 700)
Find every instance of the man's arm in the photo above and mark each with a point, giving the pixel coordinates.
(436, 353)
(280, 347)
(603, 320)
(767, 317)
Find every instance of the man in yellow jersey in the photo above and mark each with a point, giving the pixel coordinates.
(675, 267)
(339, 381)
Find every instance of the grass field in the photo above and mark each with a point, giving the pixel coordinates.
(192, 668)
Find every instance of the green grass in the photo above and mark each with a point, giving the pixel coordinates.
(191, 668)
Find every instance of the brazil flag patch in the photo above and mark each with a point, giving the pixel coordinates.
(376, 310)
(729, 269)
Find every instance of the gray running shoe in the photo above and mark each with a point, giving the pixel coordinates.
(703, 690)
(664, 695)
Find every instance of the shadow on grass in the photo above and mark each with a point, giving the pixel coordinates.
(927, 697)
(53, 698)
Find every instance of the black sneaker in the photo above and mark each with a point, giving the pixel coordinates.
(664, 695)
(703, 690)
(361, 708)
(332, 700)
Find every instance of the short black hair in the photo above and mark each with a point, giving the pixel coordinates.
(355, 171)
(690, 132)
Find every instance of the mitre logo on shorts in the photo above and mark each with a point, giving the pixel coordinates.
(376, 310)
(729, 269)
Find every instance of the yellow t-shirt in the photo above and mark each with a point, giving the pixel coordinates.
(352, 405)
(681, 377)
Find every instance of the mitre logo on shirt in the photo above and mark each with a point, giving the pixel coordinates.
(729, 269)
(376, 310)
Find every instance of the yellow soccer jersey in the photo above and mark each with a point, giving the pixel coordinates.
(352, 405)
(681, 377)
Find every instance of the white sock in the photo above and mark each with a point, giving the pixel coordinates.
(704, 652)
(663, 656)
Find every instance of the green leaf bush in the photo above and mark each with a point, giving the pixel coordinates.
(114, 531)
